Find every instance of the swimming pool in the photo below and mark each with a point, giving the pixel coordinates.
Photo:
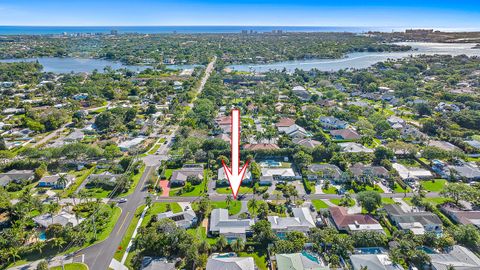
(42, 236)
(270, 163)
(427, 250)
(370, 250)
(310, 256)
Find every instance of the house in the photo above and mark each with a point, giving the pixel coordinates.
(299, 261)
(359, 170)
(462, 216)
(57, 181)
(185, 219)
(179, 177)
(280, 173)
(353, 222)
(409, 132)
(301, 93)
(220, 262)
(63, 218)
(76, 136)
(302, 221)
(409, 173)
(458, 257)
(330, 122)
(223, 181)
(306, 142)
(373, 262)
(462, 170)
(130, 144)
(351, 147)
(80, 96)
(222, 224)
(345, 134)
(149, 263)
(443, 145)
(266, 180)
(284, 123)
(417, 222)
(395, 120)
(326, 171)
(260, 146)
(103, 177)
(224, 124)
(16, 176)
(296, 131)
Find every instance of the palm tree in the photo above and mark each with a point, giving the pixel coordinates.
(238, 245)
(14, 253)
(53, 209)
(252, 204)
(228, 200)
(62, 181)
(221, 243)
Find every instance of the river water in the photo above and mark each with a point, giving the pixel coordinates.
(363, 59)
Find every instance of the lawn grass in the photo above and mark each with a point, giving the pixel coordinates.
(233, 208)
(71, 266)
(111, 224)
(128, 234)
(158, 208)
(387, 201)
(399, 189)
(436, 201)
(376, 188)
(227, 190)
(80, 176)
(198, 190)
(434, 185)
(200, 233)
(330, 190)
(135, 180)
(319, 204)
(259, 257)
(338, 201)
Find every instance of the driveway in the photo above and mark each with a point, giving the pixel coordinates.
(165, 188)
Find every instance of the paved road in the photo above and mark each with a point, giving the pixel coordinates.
(100, 255)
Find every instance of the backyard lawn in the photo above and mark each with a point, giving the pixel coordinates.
(259, 257)
(319, 204)
(233, 208)
(434, 185)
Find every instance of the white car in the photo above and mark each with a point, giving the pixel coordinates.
(122, 200)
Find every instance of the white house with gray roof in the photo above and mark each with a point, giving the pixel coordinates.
(16, 176)
(459, 257)
(185, 219)
(231, 228)
(301, 221)
(63, 218)
(219, 262)
(373, 262)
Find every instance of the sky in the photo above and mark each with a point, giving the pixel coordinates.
(459, 14)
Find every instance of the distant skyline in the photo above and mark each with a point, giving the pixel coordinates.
(438, 14)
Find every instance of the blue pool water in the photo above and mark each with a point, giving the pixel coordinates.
(309, 256)
(42, 236)
(271, 163)
(427, 250)
(370, 250)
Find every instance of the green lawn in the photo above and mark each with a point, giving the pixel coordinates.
(227, 190)
(436, 201)
(80, 176)
(388, 201)
(337, 202)
(259, 257)
(330, 190)
(168, 173)
(319, 204)
(128, 234)
(399, 189)
(135, 180)
(201, 234)
(158, 208)
(434, 185)
(233, 208)
(71, 266)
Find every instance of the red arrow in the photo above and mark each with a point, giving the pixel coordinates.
(234, 175)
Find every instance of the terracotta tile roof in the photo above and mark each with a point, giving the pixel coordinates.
(261, 146)
(346, 134)
(342, 219)
(285, 122)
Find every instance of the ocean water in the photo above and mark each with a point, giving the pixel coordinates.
(56, 30)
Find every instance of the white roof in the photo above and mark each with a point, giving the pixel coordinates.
(131, 143)
(373, 262)
(63, 219)
(302, 219)
(410, 172)
(221, 222)
(352, 147)
(231, 263)
(459, 257)
(286, 172)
